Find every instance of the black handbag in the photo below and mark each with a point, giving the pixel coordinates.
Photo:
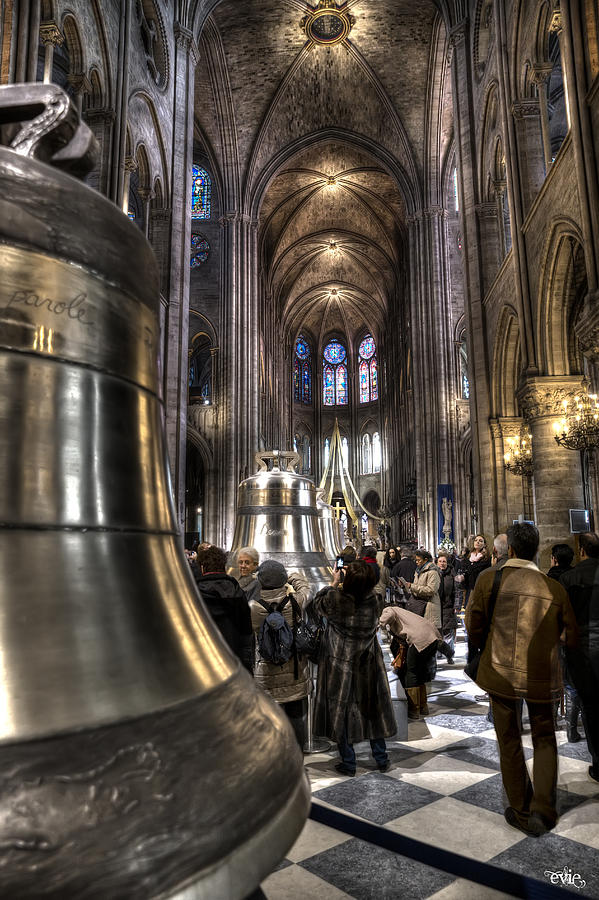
(474, 655)
(307, 633)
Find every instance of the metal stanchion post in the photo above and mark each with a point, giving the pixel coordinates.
(314, 745)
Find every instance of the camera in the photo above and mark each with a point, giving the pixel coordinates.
(340, 562)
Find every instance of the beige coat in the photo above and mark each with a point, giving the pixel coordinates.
(426, 586)
(415, 629)
(279, 681)
(520, 658)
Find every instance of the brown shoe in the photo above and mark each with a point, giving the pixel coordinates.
(413, 695)
(424, 710)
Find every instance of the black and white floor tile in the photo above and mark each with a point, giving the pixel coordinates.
(444, 787)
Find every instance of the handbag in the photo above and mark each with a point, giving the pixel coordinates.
(402, 657)
(471, 667)
(308, 633)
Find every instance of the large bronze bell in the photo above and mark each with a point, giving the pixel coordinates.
(278, 515)
(137, 758)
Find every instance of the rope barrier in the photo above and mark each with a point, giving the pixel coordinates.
(455, 864)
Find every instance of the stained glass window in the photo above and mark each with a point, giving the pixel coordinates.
(328, 386)
(302, 372)
(364, 382)
(334, 353)
(368, 372)
(327, 450)
(201, 189)
(200, 249)
(374, 382)
(335, 386)
(341, 385)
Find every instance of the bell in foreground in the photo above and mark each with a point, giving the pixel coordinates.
(137, 758)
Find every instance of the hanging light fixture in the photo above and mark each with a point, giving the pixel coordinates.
(518, 457)
(578, 429)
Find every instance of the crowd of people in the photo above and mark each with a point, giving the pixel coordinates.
(530, 637)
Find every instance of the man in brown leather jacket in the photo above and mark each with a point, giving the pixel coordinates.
(520, 660)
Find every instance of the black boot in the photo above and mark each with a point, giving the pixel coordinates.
(572, 722)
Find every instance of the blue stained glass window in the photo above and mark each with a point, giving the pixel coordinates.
(334, 353)
(328, 386)
(302, 349)
(341, 385)
(307, 382)
(200, 248)
(374, 382)
(201, 190)
(367, 347)
(368, 370)
(302, 372)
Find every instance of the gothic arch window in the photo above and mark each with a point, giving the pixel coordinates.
(345, 452)
(303, 447)
(376, 452)
(327, 452)
(556, 97)
(200, 250)
(368, 370)
(201, 192)
(200, 371)
(302, 372)
(334, 375)
(366, 455)
(463, 368)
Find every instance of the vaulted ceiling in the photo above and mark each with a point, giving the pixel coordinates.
(329, 146)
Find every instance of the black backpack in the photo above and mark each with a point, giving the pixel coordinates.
(276, 642)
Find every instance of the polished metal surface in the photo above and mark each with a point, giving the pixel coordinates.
(331, 531)
(277, 514)
(131, 741)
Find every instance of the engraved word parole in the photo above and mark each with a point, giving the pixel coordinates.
(75, 308)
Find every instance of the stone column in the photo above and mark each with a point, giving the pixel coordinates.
(499, 189)
(489, 227)
(529, 138)
(466, 120)
(159, 237)
(51, 36)
(146, 195)
(511, 500)
(435, 426)
(177, 311)
(557, 475)
(239, 365)
(541, 73)
(587, 332)
(130, 166)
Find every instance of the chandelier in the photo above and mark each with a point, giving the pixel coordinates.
(578, 429)
(518, 457)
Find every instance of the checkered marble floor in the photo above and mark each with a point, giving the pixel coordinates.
(444, 787)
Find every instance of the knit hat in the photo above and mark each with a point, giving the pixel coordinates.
(271, 574)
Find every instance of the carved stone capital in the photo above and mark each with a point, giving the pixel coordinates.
(185, 40)
(99, 116)
(510, 426)
(414, 217)
(487, 210)
(229, 218)
(495, 429)
(435, 212)
(50, 33)
(544, 397)
(556, 23)
(526, 109)
(130, 164)
(541, 72)
(80, 83)
(587, 327)
(146, 194)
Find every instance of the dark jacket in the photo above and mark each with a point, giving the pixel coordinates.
(557, 572)
(520, 658)
(582, 584)
(228, 606)
(472, 570)
(405, 568)
(352, 683)
(449, 620)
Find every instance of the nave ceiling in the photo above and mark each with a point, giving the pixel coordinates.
(329, 146)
